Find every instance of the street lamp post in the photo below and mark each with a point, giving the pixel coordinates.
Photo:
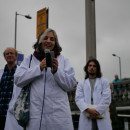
(119, 63)
(26, 16)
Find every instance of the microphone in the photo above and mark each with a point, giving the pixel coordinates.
(49, 61)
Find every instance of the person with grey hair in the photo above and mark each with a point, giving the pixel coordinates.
(49, 105)
(7, 89)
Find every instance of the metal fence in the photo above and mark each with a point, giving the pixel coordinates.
(121, 105)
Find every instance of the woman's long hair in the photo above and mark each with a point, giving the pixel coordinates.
(98, 74)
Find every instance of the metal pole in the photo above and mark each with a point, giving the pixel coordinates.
(90, 29)
(15, 30)
(120, 66)
(26, 16)
(47, 16)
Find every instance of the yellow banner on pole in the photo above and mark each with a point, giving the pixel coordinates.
(41, 21)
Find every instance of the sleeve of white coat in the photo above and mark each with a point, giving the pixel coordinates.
(106, 97)
(65, 77)
(79, 97)
(24, 75)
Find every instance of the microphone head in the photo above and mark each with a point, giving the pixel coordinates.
(49, 61)
(47, 51)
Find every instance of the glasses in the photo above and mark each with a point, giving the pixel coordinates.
(51, 38)
(92, 65)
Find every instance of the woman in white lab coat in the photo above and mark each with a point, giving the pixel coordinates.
(49, 85)
(101, 97)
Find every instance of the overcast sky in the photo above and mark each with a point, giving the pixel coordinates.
(67, 18)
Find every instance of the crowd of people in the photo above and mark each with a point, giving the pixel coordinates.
(51, 84)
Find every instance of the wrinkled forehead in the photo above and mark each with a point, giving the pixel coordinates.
(9, 50)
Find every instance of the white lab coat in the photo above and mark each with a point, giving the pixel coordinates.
(11, 123)
(56, 111)
(101, 98)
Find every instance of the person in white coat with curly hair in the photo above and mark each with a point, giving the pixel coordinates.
(93, 97)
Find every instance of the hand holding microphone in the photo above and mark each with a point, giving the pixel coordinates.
(43, 64)
(49, 61)
(55, 65)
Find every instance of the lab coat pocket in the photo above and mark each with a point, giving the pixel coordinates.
(61, 107)
(98, 94)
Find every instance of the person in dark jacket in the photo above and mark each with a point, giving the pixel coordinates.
(6, 83)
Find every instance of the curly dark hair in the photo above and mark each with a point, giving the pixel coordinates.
(98, 74)
(37, 46)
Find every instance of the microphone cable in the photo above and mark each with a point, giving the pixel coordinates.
(43, 97)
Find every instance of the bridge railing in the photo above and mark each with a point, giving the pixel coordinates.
(121, 93)
(120, 106)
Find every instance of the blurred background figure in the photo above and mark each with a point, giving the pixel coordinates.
(116, 88)
(6, 83)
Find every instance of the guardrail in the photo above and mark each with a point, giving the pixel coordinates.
(120, 106)
(121, 93)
